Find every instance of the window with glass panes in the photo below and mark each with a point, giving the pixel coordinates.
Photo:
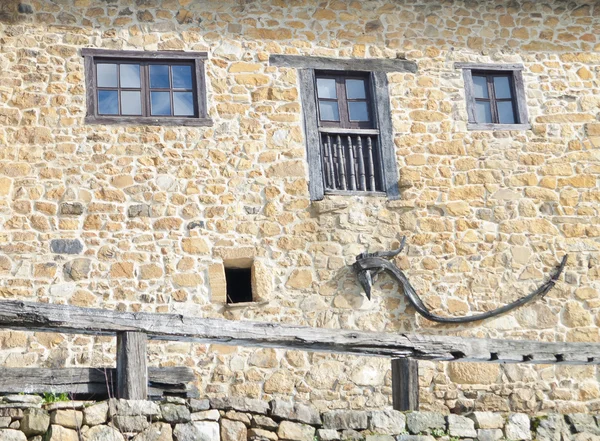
(344, 101)
(494, 98)
(145, 88)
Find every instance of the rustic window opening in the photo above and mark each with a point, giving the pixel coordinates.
(350, 157)
(495, 96)
(365, 120)
(160, 88)
(239, 285)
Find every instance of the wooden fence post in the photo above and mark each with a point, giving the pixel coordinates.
(405, 384)
(132, 370)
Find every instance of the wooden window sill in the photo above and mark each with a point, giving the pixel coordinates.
(146, 121)
(498, 127)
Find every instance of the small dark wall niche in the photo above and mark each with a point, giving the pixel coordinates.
(239, 285)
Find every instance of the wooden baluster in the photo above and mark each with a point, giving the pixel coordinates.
(370, 164)
(351, 164)
(341, 164)
(362, 183)
(326, 162)
(331, 169)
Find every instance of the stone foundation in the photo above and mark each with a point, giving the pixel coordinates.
(25, 417)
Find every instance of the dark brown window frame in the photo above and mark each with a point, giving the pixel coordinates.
(515, 72)
(342, 100)
(196, 59)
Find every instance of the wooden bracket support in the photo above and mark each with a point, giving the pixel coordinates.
(405, 384)
(132, 371)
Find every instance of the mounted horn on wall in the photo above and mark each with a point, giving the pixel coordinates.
(368, 265)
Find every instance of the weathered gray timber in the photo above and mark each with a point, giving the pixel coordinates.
(132, 371)
(405, 384)
(349, 64)
(97, 381)
(72, 319)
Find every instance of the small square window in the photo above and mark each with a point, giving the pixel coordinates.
(495, 97)
(161, 88)
(239, 285)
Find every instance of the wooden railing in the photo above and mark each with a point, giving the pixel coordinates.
(351, 160)
(134, 329)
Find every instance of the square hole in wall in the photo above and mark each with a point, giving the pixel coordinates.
(239, 285)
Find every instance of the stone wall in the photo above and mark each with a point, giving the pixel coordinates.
(141, 218)
(240, 419)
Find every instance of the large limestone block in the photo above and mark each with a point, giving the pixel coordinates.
(156, 432)
(60, 433)
(302, 413)
(461, 426)
(388, 422)
(233, 430)
(71, 419)
(101, 433)
(345, 419)
(518, 427)
(133, 407)
(197, 431)
(35, 422)
(295, 431)
(424, 422)
(95, 414)
(474, 373)
(173, 413)
(487, 420)
(16, 435)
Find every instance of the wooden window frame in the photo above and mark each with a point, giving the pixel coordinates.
(377, 70)
(342, 100)
(145, 59)
(515, 72)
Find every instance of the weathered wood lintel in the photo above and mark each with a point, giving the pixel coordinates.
(349, 64)
(175, 327)
(88, 381)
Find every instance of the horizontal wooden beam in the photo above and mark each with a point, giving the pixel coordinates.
(176, 327)
(101, 381)
(349, 64)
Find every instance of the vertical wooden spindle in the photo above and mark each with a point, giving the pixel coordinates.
(370, 164)
(351, 166)
(362, 183)
(341, 164)
(331, 170)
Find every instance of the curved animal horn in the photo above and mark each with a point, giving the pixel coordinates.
(369, 263)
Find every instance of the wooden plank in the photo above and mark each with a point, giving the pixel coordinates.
(146, 55)
(175, 327)
(349, 64)
(316, 185)
(405, 384)
(520, 97)
(492, 126)
(343, 131)
(132, 371)
(383, 113)
(99, 381)
(150, 121)
(488, 66)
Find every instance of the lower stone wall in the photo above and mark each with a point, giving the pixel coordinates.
(28, 418)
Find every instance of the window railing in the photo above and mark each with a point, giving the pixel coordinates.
(351, 160)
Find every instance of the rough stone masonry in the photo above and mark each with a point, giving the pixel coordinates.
(243, 419)
(143, 218)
